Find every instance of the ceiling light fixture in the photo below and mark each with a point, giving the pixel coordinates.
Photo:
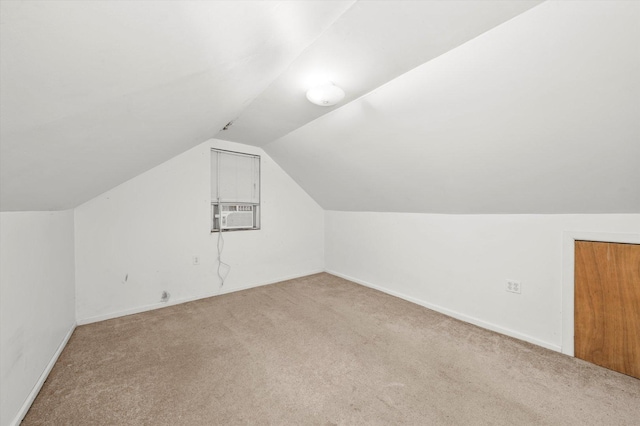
(325, 94)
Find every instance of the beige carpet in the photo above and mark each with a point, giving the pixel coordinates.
(319, 350)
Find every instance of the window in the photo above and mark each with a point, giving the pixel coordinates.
(235, 191)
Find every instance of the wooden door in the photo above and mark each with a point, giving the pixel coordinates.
(607, 305)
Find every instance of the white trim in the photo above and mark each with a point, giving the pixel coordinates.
(36, 388)
(568, 264)
(454, 314)
(160, 305)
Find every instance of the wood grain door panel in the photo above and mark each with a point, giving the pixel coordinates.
(607, 305)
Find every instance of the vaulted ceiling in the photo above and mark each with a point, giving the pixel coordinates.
(95, 92)
(450, 107)
(538, 115)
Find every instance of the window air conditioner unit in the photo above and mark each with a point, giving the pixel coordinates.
(237, 217)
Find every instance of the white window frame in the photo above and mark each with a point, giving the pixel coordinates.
(217, 205)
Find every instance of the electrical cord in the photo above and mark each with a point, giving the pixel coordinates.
(220, 243)
(220, 246)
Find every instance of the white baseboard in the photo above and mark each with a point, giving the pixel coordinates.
(466, 318)
(454, 314)
(160, 305)
(36, 388)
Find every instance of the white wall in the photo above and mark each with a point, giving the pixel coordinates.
(138, 239)
(458, 264)
(37, 303)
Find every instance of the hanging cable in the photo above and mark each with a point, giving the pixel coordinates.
(220, 243)
(220, 246)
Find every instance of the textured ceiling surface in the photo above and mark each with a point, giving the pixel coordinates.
(451, 107)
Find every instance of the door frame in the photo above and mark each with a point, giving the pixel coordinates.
(568, 280)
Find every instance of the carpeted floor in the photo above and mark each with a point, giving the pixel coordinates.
(319, 350)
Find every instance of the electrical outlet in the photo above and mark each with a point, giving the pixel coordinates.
(196, 260)
(514, 286)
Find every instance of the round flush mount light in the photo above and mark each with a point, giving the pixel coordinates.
(325, 94)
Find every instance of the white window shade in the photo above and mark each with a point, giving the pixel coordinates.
(235, 177)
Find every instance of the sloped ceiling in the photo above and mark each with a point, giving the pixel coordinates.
(539, 115)
(95, 92)
(514, 107)
(371, 43)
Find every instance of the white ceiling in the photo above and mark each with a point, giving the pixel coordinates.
(512, 108)
(96, 92)
(539, 115)
(371, 43)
